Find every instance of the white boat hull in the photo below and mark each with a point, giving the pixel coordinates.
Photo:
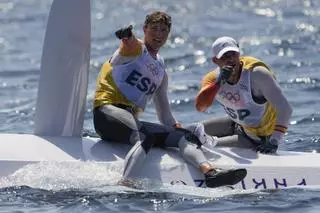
(286, 169)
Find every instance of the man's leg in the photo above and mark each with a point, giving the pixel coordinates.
(189, 146)
(109, 120)
(219, 126)
(149, 134)
(228, 132)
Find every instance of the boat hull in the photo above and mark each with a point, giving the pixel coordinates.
(286, 169)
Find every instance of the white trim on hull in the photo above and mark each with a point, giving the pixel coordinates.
(287, 169)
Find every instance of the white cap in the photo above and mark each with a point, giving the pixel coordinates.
(223, 45)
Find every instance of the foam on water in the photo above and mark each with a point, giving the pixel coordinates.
(99, 177)
(64, 175)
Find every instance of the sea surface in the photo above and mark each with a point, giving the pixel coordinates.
(284, 33)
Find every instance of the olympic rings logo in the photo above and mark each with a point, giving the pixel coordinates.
(232, 97)
(153, 69)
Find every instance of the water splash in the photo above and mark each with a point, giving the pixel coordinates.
(64, 175)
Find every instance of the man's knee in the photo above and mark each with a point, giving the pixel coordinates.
(108, 127)
(148, 142)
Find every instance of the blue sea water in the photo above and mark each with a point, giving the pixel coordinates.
(285, 34)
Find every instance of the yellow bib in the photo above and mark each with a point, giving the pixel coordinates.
(268, 120)
(106, 90)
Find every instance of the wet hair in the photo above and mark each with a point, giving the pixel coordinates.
(158, 17)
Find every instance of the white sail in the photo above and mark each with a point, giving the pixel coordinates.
(63, 83)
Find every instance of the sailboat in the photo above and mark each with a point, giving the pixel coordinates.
(61, 103)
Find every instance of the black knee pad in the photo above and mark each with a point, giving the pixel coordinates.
(189, 136)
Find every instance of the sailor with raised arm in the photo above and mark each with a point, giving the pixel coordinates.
(258, 112)
(134, 75)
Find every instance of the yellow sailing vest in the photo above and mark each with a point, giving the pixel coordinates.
(106, 89)
(268, 120)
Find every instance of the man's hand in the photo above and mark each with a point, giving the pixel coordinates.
(125, 32)
(177, 125)
(224, 74)
(268, 145)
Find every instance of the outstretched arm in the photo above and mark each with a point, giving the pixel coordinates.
(130, 47)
